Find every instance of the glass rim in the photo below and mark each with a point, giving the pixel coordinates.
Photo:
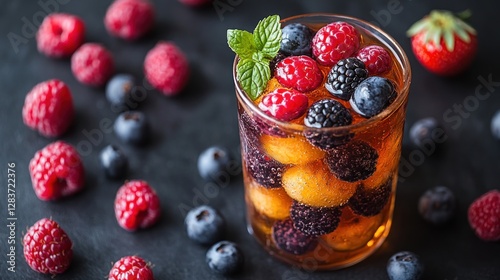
(383, 37)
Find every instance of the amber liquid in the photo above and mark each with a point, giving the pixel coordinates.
(356, 236)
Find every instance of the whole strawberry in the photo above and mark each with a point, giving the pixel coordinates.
(131, 267)
(47, 248)
(484, 216)
(443, 43)
(48, 108)
(56, 171)
(166, 68)
(136, 205)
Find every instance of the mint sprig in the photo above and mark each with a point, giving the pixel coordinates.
(255, 52)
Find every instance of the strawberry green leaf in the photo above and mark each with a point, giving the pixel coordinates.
(241, 42)
(253, 76)
(267, 36)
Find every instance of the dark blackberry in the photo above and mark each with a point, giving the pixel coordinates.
(296, 39)
(369, 202)
(279, 57)
(353, 161)
(265, 170)
(327, 113)
(345, 76)
(314, 221)
(292, 240)
(249, 131)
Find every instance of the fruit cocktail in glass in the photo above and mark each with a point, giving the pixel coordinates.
(321, 110)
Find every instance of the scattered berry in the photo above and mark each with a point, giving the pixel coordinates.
(437, 205)
(314, 221)
(48, 108)
(495, 125)
(369, 202)
(205, 225)
(132, 127)
(484, 216)
(56, 171)
(372, 96)
(214, 162)
(313, 184)
(136, 205)
(122, 93)
(423, 131)
(92, 64)
(166, 68)
(345, 76)
(443, 43)
(265, 170)
(129, 19)
(131, 267)
(225, 257)
(299, 72)
(60, 35)
(353, 161)
(327, 113)
(195, 3)
(335, 41)
(47, 248)
(377, 60)
(284, 104)
(405, 266)
(296, 39)
(114, 162)
(288, 238)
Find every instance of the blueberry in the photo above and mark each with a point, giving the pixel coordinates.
(131, 127)
(405, 266)
(425, 131)
(205, 225)
(372, 96)
(296, 39)
(437, 205)
(121, 92)
(214, 162)
(114, 162)
(495, 125)
(225, 257)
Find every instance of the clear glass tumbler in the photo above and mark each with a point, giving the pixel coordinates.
(324, 208)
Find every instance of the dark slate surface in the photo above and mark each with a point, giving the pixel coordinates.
(205, 114)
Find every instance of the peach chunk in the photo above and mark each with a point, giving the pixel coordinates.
(313, 184)
(353, 231)
(271, 202)
(292, 150)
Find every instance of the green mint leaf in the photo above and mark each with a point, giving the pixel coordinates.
(267, 36)
(241, 42)
(253, 76)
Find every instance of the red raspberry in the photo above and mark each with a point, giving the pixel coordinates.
(131, 267)
(47, 248)
(56, 171)
(299, 72)
(129, 19)
(335, 41)
(284, 104)
(484, 216)
(166, 68)
(48, 108)
(195, 3)
(136, 205)
(92, 64)
(377, 60)
(60, 35)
